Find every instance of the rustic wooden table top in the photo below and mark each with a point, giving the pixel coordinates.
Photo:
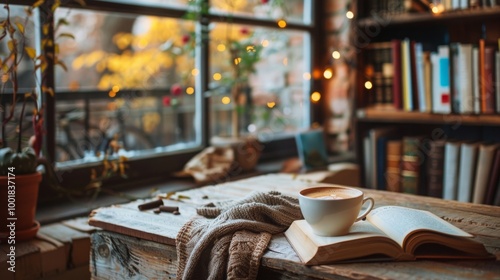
(482, 221)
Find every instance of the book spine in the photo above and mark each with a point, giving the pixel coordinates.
(484, 164)
(413, 77)
(435, 165)
(444, 79)
(497, 80)
(397, 82)
(393, 170)
(496, 201)
(406, 75)
(420, 79)
(450, 170)
(427, 80)
(441, 81)
(482, 76)
(381, 162)
(489, 91)
(468, 163)
(410, 165)
(494, 176)
(476, 91)
(367, 156)
(454, 87)
(465, 78)
(388, 77)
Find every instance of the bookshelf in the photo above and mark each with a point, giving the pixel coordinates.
(371, 115)
(418, 42)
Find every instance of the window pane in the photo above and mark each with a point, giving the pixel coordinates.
(272, 75)
(290, 10)
(133, 75)
(12, 129)
(25, 72)
(160, 3)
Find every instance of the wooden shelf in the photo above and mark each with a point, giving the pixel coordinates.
(447, 17)
(394, 116)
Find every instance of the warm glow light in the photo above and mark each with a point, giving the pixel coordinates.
(328, 74)
(282, 23)
(349, 15)
(217, 76)
(315, 96)
(271, 104)
(306, 76)
(112, 93)
(336, 55)
(237, 60)
(368, 85)
(142, 43)
(437, 8)
(221, 47)
(226, 100)
(285, 61)
(195, 72)
(316, 74)
(115, 88)
(265, 43)
(190, 90)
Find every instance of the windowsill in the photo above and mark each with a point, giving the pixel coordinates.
(72, 209)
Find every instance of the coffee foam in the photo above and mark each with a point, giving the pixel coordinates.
(331, 193)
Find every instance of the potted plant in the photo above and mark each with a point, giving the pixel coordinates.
(244, 52)
(19, 178)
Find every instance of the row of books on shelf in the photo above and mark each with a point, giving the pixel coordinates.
(393, 7)
(467, 171)
(458, 78)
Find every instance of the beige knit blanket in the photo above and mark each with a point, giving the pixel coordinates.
(229, 238)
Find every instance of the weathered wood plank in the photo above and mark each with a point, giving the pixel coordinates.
(4, 272)
(280, 260)
(80, 224)
(77, 273)
(117, 256)
(53, 257)
(78, 242)
(141, 224)
(28, 261)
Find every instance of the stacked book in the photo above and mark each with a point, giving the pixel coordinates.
(463, 170)
(457, 78)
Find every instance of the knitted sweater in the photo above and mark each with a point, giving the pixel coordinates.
(232, 243)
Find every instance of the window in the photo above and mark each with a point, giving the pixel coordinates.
(139, 75)
(26, 80)
(134, 73)
(274, 88)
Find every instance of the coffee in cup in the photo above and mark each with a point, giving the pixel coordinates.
(332, 210)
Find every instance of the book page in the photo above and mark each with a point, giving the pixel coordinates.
(361, 229)
(363, 241)
(398, 222)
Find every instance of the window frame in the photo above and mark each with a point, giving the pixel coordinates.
(158, 166)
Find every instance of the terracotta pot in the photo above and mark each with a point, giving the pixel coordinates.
(18, 206)
(246, 149)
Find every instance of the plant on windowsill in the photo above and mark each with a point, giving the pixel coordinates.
(244, 52)
(19, 177)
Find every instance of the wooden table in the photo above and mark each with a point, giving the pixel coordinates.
(135, 244)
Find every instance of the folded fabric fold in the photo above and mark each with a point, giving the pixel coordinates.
(231, 244)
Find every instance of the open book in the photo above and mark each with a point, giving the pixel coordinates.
(389, 233)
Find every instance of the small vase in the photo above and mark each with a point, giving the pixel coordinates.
(18, 207)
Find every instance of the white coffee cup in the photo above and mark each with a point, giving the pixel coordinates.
(332, 210)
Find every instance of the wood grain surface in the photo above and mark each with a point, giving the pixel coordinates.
(142, 243)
